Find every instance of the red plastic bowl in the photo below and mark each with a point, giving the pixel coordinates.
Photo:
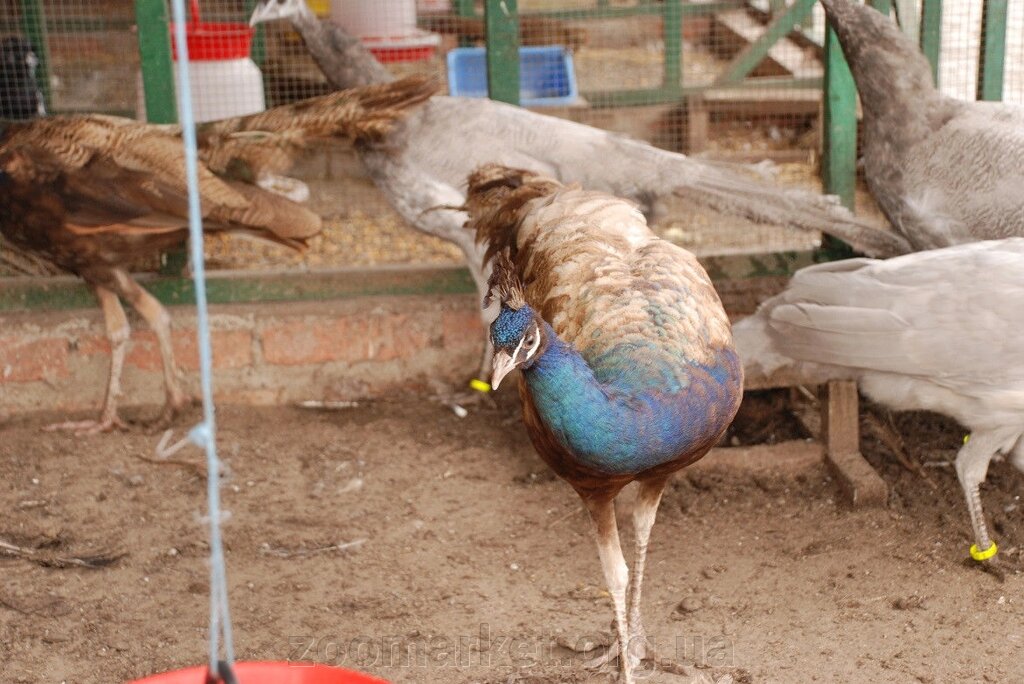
(213, 42)
(268, 673)
(208, 42)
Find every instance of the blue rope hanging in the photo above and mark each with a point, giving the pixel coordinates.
(204, 434)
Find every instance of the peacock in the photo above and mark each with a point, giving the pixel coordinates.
(92, 193)
(934, 330)
(626, 361)
(943, 171)
(427, 159)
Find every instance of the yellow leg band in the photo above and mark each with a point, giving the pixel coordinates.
(480, 385)
(983, 555)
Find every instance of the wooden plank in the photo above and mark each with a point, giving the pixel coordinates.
(787, 459)
(860, 484)
(910, 23)
(698, 122)
(769, 41)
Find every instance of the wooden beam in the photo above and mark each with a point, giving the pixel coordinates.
(860, 484)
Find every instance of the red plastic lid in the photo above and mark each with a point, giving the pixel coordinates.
(213, 41)
(268, 673)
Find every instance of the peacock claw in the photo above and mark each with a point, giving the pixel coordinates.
(996, 567)
(641, 652)
(88, 427)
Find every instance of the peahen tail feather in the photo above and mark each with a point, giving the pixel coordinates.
(363, 114)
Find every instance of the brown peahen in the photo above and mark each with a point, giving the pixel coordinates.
(427, 159)
(627, 367)
(944, 171)
(92, 194)
(935, 330)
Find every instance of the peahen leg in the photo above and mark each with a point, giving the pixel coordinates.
(160, 321)
(645, 509)
(118, 333)
(616, 576)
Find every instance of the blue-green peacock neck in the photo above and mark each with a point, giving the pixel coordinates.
(620, 420)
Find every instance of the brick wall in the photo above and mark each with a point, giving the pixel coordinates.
(268, 353)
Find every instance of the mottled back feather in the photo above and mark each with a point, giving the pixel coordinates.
(637, 308)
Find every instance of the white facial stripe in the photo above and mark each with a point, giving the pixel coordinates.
(536, 342)
(515, 354)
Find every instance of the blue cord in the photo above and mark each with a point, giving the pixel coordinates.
(204, 434)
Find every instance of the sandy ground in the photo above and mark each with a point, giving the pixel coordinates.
(468, 560)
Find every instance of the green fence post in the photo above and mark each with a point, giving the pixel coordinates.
(158, 88)
(155, 58)
(883, 6)
(501, 26)
(672, 35)
(258, 51)
(992, 59)
(839, 156)
(33, 24)
(931, 34)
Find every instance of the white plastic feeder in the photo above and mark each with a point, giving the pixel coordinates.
(225, 81)
(387, 28)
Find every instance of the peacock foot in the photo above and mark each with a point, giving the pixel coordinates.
(996, 566)
(641, 652)
(89, 427)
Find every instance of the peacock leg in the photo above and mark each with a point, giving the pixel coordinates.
(118, 333)
(616, 576)
(160, 321)
(645, 509)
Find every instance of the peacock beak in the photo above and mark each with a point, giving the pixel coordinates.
(503, 364)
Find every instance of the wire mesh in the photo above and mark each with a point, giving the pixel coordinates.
(674, 73)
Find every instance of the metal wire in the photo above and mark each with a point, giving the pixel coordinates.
(204, 434)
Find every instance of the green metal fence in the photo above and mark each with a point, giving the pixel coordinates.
(677, 27)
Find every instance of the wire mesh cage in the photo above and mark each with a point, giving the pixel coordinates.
(733, 81)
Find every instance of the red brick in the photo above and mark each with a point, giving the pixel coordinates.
(92, 344)
(362, 337)
(28, 361)
(463, 329)
(231, 349)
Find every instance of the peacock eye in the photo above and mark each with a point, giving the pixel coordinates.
(529, 340)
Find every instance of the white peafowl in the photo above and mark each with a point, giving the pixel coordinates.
(933, 330)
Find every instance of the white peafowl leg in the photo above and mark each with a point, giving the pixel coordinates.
(118, 333)
(971, 468)
(160, 321)
(645, 509)
(616, 576)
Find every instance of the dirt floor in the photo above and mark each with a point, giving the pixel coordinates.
(397, 538)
